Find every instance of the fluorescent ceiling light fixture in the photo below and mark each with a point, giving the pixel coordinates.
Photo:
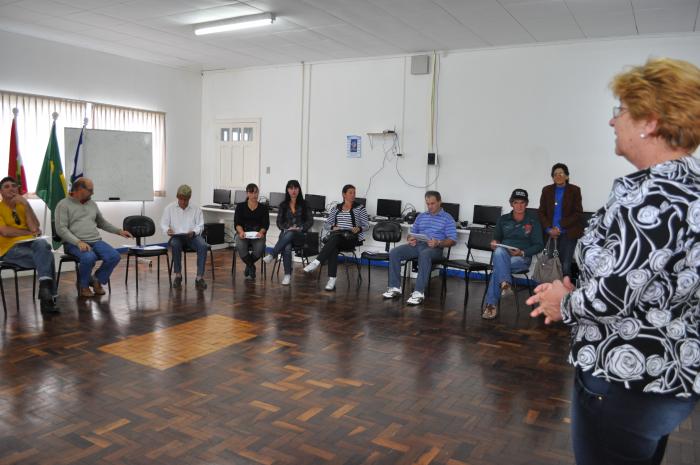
(233, 24)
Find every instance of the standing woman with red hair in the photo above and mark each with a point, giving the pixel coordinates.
(635, 318)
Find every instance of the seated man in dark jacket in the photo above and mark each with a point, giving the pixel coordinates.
(518, 236)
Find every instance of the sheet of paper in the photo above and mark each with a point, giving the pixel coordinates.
(419, 237)
(32, 239)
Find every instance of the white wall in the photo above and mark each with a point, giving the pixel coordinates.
(274, 95)
(504, 117)
(41, 67)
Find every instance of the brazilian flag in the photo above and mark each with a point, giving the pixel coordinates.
(52, 183)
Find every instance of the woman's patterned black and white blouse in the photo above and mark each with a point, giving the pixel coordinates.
(636, 316)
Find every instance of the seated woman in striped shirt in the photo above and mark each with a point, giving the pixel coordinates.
(351, 222)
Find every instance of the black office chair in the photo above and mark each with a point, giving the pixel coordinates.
(517, 288)
(412, 263)
(384, 231)
(68, 258)
(263, 266)
(346, 253)
(140, 227)
(479, 239)
(15, 269)
(187, 250)
(304, 246)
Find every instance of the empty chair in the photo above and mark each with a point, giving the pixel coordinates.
(479, 239)
(140, 227)
(388, 232)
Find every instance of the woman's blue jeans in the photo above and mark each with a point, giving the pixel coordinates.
(613, 425)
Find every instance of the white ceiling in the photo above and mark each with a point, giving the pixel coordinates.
(159, 31)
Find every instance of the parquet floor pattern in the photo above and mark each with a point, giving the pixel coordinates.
(302, 377)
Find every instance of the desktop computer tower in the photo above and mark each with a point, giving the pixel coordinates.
(214, 233)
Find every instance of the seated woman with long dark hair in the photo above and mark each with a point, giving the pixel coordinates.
(293, 220)
(347, 222)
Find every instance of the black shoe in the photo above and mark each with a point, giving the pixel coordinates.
(200, 284)
(177, 282)
(246, 273)
(252, 271)
(45, 294)
(48, 306)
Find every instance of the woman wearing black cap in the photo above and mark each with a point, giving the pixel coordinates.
(517, 237)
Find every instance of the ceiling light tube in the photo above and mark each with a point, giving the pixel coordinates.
(232, 24)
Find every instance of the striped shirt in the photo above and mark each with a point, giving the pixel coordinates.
(343, 219)
(438, 226)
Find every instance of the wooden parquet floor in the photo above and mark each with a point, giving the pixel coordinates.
(258, 373)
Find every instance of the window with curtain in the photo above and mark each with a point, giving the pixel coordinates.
(34, 127)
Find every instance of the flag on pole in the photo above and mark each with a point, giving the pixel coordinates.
(15, 167)
(79, 158)
(52, 184)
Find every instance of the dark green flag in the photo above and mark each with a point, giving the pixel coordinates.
(52, 184)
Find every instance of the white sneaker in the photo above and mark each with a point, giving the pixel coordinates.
(330, 286)
(268, 259)
(392, 293)
(416, 298)
(287, 279)
(312, 266)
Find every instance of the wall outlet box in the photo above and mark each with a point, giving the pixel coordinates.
(432, 159)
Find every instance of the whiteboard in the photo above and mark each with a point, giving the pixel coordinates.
(120, 163)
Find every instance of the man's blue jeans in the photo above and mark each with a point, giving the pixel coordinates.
(425, 256)
(196, 243)
(100, 250)
(503, 266)
(284, 246)
(610, 424)
(36, 254)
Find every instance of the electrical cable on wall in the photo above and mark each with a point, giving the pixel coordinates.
(390, 153)
(433, 126)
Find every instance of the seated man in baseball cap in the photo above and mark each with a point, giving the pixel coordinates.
(517, 237)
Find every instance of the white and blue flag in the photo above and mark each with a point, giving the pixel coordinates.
(79, 159)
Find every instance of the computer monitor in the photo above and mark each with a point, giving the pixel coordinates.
(389, 208)
(362, 201)
(316, 203)
(487, 215)
(452, 209)
(240, 196)
(222, 196)
(276, 198)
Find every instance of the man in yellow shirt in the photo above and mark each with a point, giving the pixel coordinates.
(19, 229)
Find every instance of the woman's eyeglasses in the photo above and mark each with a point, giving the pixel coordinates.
(617, 111)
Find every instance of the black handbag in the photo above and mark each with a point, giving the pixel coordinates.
(345, 234)
(547, 264)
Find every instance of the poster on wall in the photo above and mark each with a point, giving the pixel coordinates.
(354, 146)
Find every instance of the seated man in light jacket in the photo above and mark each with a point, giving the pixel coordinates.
(18, 226)
(77, 220)
(184, 223)
(436, 230)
